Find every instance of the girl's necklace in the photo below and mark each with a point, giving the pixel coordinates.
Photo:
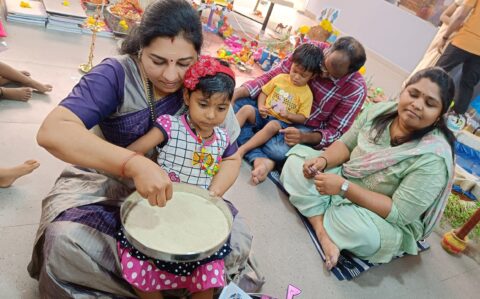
(202, 156)
(189, 121)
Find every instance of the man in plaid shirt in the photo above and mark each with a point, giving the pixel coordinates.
(338, 96)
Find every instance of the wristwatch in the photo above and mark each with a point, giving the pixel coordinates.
(344, 188)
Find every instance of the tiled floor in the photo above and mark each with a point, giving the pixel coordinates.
(281, 244)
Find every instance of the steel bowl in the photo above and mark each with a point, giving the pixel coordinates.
(132, 201)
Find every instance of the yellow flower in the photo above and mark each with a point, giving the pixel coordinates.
(304, 29)
(326, 25)
(362, 70)
(91, 20)
(123, 24)
(66, 3)
(25, 4)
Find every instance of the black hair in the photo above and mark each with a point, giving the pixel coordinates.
(353, 49)
(447, 91)
(309, 56)
(218, 83)
(165, 18)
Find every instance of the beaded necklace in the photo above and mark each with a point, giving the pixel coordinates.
(202, 156)
(147, 85)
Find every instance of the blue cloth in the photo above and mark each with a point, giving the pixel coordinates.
(103, 218)
(468, 158)
(275, 149)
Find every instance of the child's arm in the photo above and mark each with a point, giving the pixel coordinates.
(262, 97)
(226, 175)
(148, 141)
(293, 118)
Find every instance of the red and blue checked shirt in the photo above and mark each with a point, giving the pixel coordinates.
(336, 103)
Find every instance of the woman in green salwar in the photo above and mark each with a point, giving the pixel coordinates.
(384, 184)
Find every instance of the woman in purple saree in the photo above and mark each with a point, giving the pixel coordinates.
(74, 251)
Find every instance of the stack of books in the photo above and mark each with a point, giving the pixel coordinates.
(26, 11)
(66, 18)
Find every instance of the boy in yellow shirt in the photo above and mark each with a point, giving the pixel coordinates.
(286, 99)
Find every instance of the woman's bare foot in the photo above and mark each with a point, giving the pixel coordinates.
(329, 248)
(9, 175)
(261, 168)
(17, 93)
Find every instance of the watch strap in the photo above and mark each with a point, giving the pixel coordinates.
(344, 188)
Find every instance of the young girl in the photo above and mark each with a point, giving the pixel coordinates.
(192, 149)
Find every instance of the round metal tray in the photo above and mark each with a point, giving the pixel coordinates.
(132, 201)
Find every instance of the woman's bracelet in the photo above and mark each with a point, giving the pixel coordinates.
(124, 164)
(326, 163)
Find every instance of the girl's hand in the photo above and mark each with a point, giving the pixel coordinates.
(313, 166)
(151, 181)
(328, 183)
(213, 193)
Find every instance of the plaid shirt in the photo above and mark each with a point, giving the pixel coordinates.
(335, 105)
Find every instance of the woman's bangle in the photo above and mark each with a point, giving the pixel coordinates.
(326, 163)
(124, 164)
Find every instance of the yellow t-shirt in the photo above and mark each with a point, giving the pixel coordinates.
(468, 37)
(283, 95)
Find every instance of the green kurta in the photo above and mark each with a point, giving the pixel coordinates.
(413, 184)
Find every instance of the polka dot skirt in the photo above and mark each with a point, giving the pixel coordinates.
(145, 276)
(176, 268)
